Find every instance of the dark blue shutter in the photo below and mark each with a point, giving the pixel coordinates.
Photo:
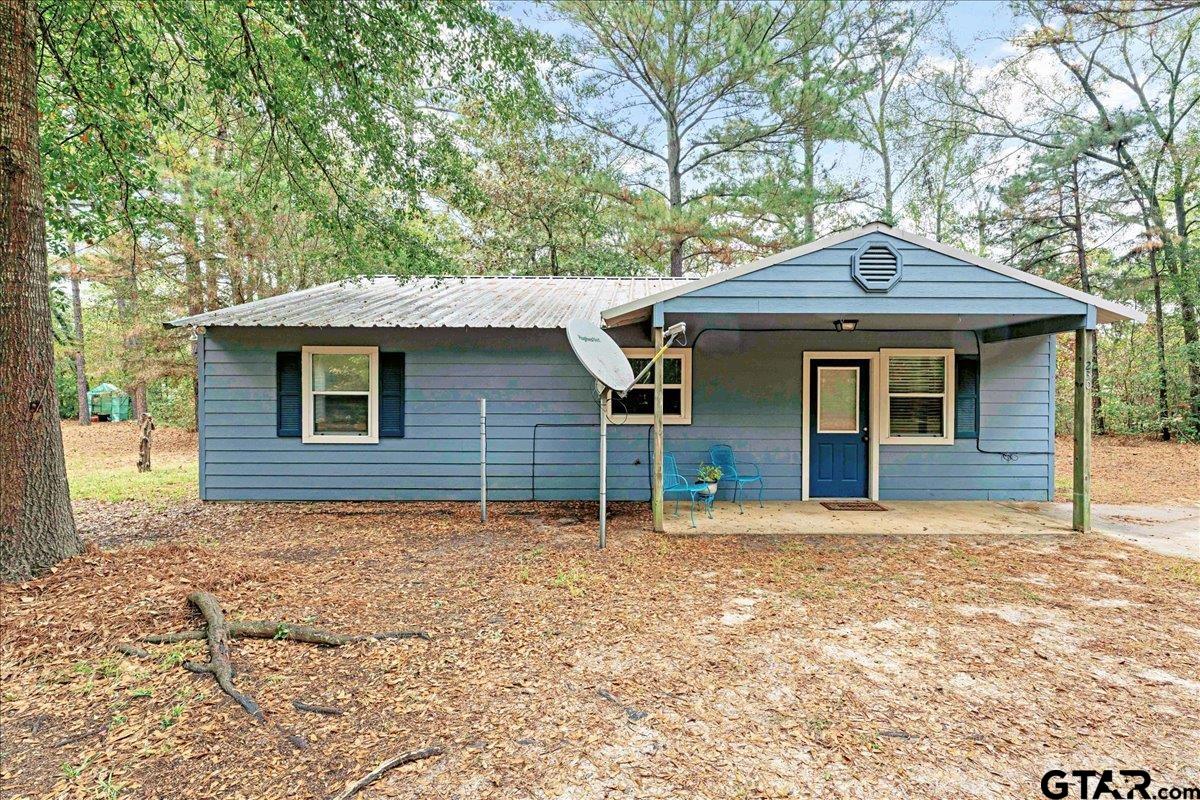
(287, 394)
(391, 395)
(966, 397)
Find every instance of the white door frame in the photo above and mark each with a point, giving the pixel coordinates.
(806, 395)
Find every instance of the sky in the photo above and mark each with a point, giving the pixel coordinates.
(980, 28)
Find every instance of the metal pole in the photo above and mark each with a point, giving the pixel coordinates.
(483, 459)
(603, 465)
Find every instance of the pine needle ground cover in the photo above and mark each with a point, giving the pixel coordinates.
(661, 667)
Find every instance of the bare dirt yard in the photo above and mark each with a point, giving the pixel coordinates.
(690, 667)
(1134, 470)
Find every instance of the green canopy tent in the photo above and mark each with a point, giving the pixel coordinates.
(108, 402)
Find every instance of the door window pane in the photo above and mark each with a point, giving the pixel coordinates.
(341, 372)
(837, 399)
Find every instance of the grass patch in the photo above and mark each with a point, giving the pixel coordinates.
(574, 580)
(164, 483)
(1185, 571)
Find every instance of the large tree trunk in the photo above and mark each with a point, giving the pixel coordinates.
(885, 161)
(810, 186)
(190, 239)
(1164, 402)
(674, 198)
(81, 387)
(1185, 278)
(1175, 258)
(36, 526)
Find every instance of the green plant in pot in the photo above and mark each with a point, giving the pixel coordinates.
(710, 474)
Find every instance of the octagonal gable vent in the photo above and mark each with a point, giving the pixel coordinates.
(876, 266)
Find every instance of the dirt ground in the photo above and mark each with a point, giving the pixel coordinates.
(661, 667)
(1132, 470)
(115, 444)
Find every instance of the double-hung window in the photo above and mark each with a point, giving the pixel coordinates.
(340, 394)
(637, 407)
(918, 396)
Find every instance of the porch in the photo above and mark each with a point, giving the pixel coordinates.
(891, 367)
(901, 518)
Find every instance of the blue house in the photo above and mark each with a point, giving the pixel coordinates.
(873, 364)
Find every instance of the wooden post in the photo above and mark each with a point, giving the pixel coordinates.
(656, 486)
(1081, 495)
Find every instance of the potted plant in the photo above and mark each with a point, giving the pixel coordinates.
(710, 474)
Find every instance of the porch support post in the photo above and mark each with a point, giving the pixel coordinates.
(1081, 496)
(656, 484)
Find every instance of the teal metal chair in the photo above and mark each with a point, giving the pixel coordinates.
(722, 456)
(675, 483)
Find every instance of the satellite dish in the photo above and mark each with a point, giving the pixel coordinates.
(600, 355)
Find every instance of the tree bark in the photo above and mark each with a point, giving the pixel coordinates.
(1164, 402)
(810, 187)
(37, 528)
(1185, 278)
(674, 197)
(81, 387)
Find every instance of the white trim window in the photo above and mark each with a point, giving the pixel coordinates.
(917, 396)
(340, 395)
(637, 407)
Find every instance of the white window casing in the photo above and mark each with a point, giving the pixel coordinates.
(311, 394)
(916, 396)
(617, 406)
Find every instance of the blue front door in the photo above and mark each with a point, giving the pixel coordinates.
(838, 412)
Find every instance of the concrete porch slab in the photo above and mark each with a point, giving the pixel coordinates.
(902, 518)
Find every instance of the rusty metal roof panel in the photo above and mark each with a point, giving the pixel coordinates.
(439, 302)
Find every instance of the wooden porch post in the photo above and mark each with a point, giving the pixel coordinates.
(656, 484)
(1081, 495)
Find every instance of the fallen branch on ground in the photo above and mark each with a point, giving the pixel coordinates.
(219, 665)
(219, 632)
(390, 764)
(328, 711)
(132, 650)
(276, 629)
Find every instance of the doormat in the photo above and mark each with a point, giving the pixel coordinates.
(852, 505)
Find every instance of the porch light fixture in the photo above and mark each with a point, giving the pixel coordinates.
(845, 324)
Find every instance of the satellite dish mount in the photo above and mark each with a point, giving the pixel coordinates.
(602, 357)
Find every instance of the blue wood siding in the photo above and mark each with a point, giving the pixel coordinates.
(746, 393)
(820, 283)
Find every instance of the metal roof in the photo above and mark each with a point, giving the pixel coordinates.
(439, 302)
